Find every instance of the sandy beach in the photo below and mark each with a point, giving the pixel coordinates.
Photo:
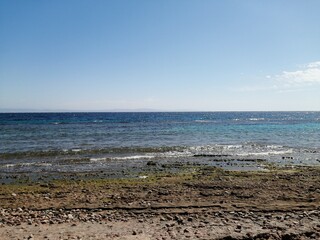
(202, 203)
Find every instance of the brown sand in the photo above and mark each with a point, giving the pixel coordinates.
(206, 204)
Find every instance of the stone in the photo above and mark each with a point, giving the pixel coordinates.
(202, 225)
(190, 219)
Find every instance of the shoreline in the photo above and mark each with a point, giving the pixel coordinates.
(201, 202)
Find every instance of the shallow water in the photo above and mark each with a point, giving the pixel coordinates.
(77, 142)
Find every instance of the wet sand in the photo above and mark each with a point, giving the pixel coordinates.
(192, 203)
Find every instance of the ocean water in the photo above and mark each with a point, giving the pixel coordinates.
(81, 142)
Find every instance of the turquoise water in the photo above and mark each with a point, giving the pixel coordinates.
(91, 141)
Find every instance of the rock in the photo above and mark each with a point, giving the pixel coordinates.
(202, 225)
(151, 163)
(170, 224)
(186, 230)
(169, 217)
(173, 234)
(179, 219)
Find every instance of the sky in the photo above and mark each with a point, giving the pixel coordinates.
(159, 55)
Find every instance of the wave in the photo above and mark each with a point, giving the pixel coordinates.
(121, 158)
(204, 121)
(132, 157)
(265, 153)
(181, 152)
(256, 119)
(78, 151)
(98, 159)
(13, 165)
(207, 154)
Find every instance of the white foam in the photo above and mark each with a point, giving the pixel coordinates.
(256, 119)
(9, 165)
(143, 177)
(76, 150)
(232, 146)
(176, 154)
(35, 164)
(26, 164)
(44, 164)
(266, 153)
(133, 157)
(274, 146)
(98, 159)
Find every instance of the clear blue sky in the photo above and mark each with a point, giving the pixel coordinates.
(163, 55)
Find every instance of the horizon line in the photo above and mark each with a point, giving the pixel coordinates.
(139, 111)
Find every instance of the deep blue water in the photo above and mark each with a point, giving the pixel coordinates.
(99, 137)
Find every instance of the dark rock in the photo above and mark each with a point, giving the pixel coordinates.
(151, 163)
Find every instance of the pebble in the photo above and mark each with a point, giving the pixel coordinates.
(169, 217)
(179, 219)
(202, 225)
(192, 225)
(186, 230)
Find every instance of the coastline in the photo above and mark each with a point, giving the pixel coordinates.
(200, 202)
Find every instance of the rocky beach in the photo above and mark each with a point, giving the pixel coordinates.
(193, 203)
(159, 120)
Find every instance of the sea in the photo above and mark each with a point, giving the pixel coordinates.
(110, 142)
